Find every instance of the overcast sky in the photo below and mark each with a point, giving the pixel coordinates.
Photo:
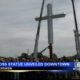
(18, 27)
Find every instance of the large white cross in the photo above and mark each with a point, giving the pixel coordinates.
(49, 18)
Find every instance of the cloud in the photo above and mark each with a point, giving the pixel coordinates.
(18, 27)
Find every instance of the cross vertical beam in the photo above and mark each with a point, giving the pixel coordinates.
(50, 29)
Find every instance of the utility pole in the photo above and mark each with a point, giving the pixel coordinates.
(49, 18)
(76, 31)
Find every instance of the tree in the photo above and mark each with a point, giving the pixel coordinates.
(54, 56)
(39, 55)
(24, 55)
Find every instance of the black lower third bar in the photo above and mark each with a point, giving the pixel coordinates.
(42, 68)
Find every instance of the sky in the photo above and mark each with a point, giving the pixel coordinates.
(18, 27)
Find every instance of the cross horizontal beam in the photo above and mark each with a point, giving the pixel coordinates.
(53, 16)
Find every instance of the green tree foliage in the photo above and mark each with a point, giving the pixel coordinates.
(24, 55)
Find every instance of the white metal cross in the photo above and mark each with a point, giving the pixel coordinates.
(49, 18)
